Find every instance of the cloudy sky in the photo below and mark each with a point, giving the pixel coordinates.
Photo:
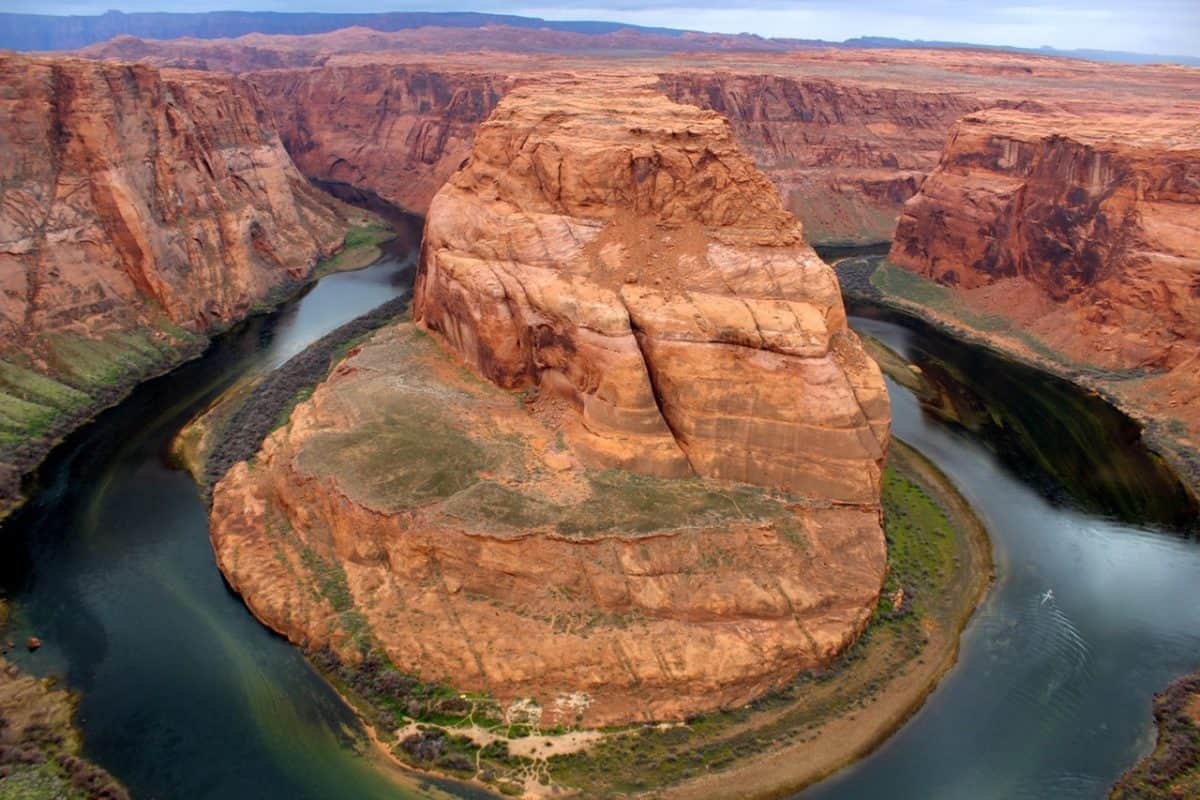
(1148, 26)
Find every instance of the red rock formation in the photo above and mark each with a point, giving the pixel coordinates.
(1103, 220)
(136, 208)
(1084, 231)
(399, 131)
(845, 135)
(845, 156)
(128, 192)
(620, 253)
(641, 266)
(412, 510)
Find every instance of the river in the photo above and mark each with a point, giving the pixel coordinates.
(1096, 605)
(185, 695)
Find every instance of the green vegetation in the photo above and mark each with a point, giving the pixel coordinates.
(86, 374)
(360, 248)
(922, 595)
(414, 457)
(332, 586)
(621, 501)
(921, 547)
(39, 748)
(897, 283)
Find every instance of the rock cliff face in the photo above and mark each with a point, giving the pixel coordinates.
(1085, 232)
(845, 157)
(397, 130)
(413, 511)
(640, 280)
(138, 211)
(643, 268)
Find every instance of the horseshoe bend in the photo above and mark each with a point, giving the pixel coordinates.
(444, 404)
(661, 499)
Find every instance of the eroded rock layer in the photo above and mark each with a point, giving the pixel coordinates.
(138, 211)
(639, 265)
(844, 156)
(618, 258)
(412, 510)
(398, 130)
(1085, 232)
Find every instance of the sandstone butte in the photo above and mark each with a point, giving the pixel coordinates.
(139, 210)
(1084, 232)
(595, 554)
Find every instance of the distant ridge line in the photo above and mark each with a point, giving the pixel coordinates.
(41, 32)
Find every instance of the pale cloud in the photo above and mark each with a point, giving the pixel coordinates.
(1151, 26)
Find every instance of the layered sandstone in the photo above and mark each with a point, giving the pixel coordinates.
(845, 156)
(139, 210)
(412, 510)
(845, 135)
(596, 554)
(397, 130)
(639, 265)
(1085, 232)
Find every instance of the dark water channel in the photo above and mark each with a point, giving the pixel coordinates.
(184, 694)
(1097, 600)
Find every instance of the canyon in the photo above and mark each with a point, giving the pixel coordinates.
(578, 556)
(584, 467)
(141, 210)
(1076, 242)
(847, 136)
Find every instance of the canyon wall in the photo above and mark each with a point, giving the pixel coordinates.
(681, 510)
(844, 156)
(846, 136)
(1084, 232)
(139, 210)
(397, 130)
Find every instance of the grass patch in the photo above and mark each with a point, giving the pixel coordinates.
(360, 248)
(622, 501)
(898, 283)
(271, 402)
(412, 458)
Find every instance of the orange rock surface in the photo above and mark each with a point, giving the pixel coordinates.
(618, 252)
(1084, 231)
(397, 130)
(475, 552)
(130, 193)
(846, 135)
(638, 264)
(137, 208)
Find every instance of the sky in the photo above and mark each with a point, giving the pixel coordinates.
(1170, 27)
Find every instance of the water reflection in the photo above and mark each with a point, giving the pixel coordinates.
(1051, 697)
(185, 694)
